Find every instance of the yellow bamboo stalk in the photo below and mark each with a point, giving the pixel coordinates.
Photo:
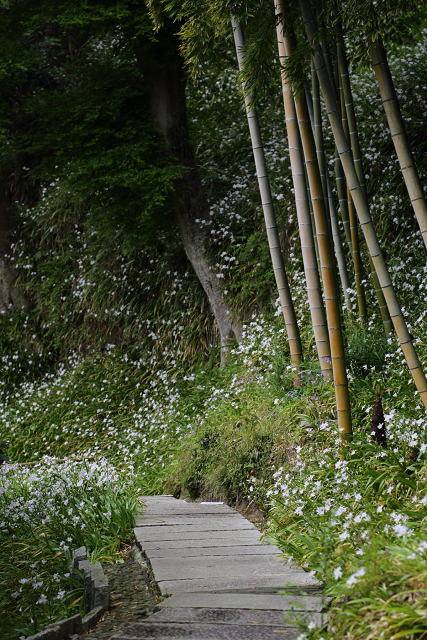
(362, 208)
(316, 123)
(398, 134)
(269, 214)
(326, 257)
(358, 164)
(317, 310)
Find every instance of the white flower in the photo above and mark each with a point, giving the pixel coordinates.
(353, 578)
(337, 573)
(401, 530)
(42, 599)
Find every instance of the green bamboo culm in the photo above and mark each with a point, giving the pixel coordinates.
(362, 208)
(317, 310)
(269, 215)
(332, 297)
(398, 133)
(342, 198)
(358, 164)
(354, 231)
(313, 104)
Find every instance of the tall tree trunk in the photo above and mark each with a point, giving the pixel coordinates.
(317, 310)
(361, 206)
(358, 164)
(10, 296)
(333, 312)
(269, 214)
(162, 68)
(398, 134)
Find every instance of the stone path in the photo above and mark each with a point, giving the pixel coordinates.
(220, 582)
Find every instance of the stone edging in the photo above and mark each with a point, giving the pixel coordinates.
(96, 600)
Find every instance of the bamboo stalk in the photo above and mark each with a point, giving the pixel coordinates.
(317, 129)
(358, 165)
(354, 231)
(269, 215)
(317, 310)
(398, 134)
(339, 248)
(342, 198)
(336, 234)
(326, 257)
(362, 208)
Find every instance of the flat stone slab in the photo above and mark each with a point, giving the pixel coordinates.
(202, 542)
(237, 550)
(184, 509)
(209, 615)
(165, 631)
(200, 522)
(235, 600)
(290, 578)
(217, 566)
(149, 535)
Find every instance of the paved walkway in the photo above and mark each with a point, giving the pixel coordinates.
(219, 580)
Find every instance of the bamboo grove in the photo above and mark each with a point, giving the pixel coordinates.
(312, 44)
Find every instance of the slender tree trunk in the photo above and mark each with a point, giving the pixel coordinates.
(362, 208)
(317, 311)
(269, 214)
(326, 258)
(358, 164)
(163, 73)
(398, 134)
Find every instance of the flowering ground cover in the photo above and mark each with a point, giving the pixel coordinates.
(48, 509)
(143, 407)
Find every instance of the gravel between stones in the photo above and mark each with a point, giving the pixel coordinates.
(131, 598)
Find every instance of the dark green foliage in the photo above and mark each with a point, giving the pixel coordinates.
(366, 351)
(3, 448)
(81, 116)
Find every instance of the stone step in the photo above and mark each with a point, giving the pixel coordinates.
(201, 542)
(150, 535)
(166, 631)
(228, 522)
(217, 566)
(235, 600)
(237, 550)
(184, 509)
(209, 615)
(197, 524)
(290, 578)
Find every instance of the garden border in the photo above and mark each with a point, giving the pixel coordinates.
(96, 600)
